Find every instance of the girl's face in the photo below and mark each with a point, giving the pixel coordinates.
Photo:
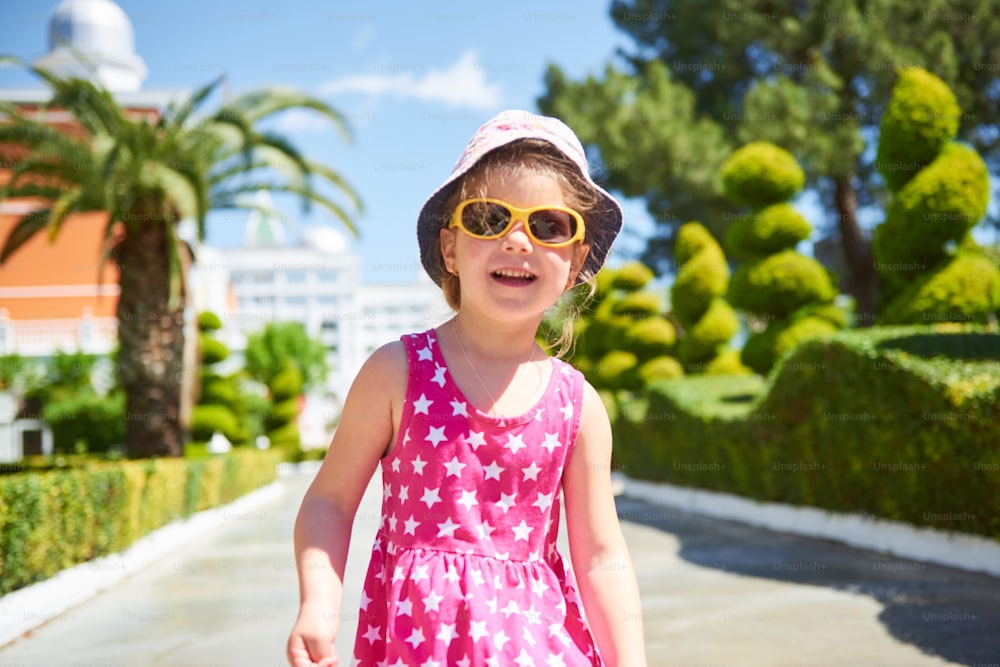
(512, 275)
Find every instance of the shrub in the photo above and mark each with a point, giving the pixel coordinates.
(637, 305)
(965, 288)
(651, 337)
(53, 520)
(206, 420)
(213, 351)
(286, 384)
(659, 368)
(921, 117)
(769, 230)
(702, 341)
(96, 421)
(617, 370)
(760, 174)
(700, 279)
(630, 277)
(727, 363)
(889, 421)
(208, 321)
(940, 205)
(692, 238)
(217, 390)
(779, 284)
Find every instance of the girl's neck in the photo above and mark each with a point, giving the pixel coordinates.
(497, 342)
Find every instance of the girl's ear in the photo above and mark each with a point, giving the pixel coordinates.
(580, 253)
(447, 239)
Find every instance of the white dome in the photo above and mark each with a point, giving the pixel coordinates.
(326, 239)
(92, 27)
(94, 39)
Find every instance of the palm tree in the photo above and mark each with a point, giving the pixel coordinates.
(149, 174)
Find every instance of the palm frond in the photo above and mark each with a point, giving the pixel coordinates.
(29, 225)
(60, 209)
(178, 115)
(258, 104)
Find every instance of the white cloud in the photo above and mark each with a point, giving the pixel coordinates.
(301, 120)
(463, 84)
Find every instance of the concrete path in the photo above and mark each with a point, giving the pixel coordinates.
(714, 593)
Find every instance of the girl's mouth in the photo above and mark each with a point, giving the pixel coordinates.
(513, 277)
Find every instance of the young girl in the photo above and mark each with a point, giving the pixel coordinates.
(477, 432)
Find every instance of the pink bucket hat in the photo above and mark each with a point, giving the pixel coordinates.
(602, 223)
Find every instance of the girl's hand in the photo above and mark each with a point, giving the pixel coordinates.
(311, 641)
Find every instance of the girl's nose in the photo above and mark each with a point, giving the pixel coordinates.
(517, 239)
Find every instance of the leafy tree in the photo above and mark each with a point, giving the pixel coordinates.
(280, 345)
(148, 174)
(810, 77)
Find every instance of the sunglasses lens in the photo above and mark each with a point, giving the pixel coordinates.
(552, 226)
(485, 218)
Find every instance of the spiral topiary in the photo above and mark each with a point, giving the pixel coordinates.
(219, 396)
(760, 174)
(769, 230)
(930, 267)
(921, 117)
(963, 288)
(939, 205)
(778, 285)
(696, 296)
(775, 282)
(624, 331)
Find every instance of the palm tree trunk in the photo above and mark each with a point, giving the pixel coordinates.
(862, 279)
(151, 343)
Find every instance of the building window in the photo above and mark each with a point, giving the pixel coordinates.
(327, 276)
(296, 277)
(296, 301)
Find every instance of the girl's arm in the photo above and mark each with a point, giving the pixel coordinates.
(323, 526)
(597, 547)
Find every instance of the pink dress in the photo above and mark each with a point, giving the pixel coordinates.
(465, 571)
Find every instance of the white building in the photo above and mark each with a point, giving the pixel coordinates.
(316, 282)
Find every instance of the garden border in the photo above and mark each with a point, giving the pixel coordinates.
(952, 549)
(27, 608)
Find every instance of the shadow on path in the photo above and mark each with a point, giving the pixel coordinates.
(945, 612)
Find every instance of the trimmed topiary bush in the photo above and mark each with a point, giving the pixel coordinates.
(894, 422)
(965, 288)
(660, 368)
(760, 174)
(206, 420)
(938, 199)
(617, 370)
(623, 330)
(213, 351)
(708, 336)
(776, 281)
(780, 284)
(769, 230)
(696, 297)
(921, 117)
(651, 337)
(208, 321)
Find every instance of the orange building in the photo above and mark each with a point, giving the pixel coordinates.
(56, 296)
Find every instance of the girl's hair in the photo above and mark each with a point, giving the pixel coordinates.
(525, 159)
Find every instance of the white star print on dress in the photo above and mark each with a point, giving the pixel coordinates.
(465, 570)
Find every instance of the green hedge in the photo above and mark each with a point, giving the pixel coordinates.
(897, 422)
(53, 520)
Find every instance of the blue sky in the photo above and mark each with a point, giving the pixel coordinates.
(415, 80)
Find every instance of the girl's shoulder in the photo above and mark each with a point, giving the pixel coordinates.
(385, 370)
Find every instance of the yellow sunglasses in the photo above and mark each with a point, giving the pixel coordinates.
(549, 226)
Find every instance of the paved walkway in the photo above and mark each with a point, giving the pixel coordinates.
(714, 593)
